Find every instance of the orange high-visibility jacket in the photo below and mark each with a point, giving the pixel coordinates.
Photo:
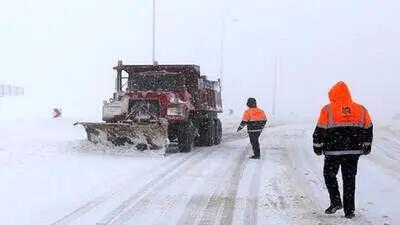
(255, 119)
(344, 127)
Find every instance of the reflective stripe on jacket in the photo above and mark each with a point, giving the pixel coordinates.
(255, 119)
(344, 127)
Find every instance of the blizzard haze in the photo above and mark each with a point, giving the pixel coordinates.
(63, 52)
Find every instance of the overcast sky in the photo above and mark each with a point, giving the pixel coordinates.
(63, 52)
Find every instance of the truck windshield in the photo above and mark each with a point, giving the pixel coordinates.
(164, 82)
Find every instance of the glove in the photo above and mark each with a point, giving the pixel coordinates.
(366, 148)
(318, 148)
(318, 151)
(239, 129)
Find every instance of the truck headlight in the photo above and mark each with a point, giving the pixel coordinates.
(176, 111)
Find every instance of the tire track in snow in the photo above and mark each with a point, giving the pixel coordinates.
(251, 209)
(285, 194)
(222, 204)
(90, 205)
(230, 201)
(210, 207)
(126, 210)
(198, 202)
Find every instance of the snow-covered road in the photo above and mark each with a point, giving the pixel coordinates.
(50, 175)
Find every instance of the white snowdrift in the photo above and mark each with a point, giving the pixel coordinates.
(50, 173)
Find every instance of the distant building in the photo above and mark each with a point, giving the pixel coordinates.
(396, 116)
(10, 90)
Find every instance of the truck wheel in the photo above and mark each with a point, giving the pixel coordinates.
(218, 132)
(185, 137)
(199, 134)
(201, 138)
(209, 133)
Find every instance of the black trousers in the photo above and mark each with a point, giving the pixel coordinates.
(254, 136)
(348, 164)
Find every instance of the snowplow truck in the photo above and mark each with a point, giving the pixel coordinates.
(157, 105)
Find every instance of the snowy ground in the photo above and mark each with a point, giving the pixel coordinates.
(50, 175)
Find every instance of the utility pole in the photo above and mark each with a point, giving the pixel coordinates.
(154, 32)
(275, 85)
(222, 43)
(222, 46)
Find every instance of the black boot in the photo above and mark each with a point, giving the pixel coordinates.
(333, 208)
(350, 215)
(254, 157)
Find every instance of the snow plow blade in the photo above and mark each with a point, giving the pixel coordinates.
(151, 135)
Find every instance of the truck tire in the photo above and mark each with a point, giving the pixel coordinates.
(218, 132)
(209, 132)
(200, 139)
(199, 134)
(186, 137)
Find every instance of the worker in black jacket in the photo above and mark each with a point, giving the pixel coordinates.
(343, 133)
(255, 119)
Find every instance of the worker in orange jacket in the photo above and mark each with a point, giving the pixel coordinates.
(343, 133)
(255, 119)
